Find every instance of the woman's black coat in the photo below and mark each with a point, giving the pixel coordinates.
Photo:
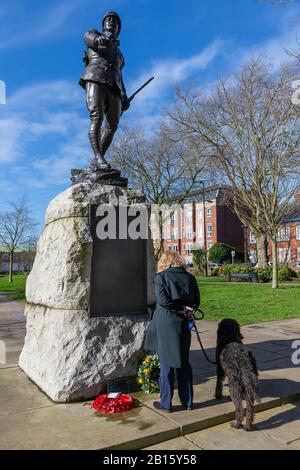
(168, 334)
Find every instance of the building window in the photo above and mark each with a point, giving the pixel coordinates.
(199, 212)
(283, 234)
(188, 232)
(298, 232)
(298, 257)
(252, 238)
(174, 218)
(173, 234)
(284, 255)
(209, 230)
(188, 214)
(174, 248)
(188, 248)
(200, 231)
(209, 245)
(209, 212)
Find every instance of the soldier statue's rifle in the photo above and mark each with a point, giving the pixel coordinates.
(140, 89)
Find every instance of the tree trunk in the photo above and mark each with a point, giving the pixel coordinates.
(160, 246)
(275, 264)
(11, 260)
(262, 250)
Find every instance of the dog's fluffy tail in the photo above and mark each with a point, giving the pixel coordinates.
(251, 385)
(250, 380)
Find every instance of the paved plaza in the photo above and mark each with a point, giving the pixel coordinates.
(30, 420)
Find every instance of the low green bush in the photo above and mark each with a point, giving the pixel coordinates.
(285, 273)
(264, 274)
(237, 268)
(221, 253)
(194, 271)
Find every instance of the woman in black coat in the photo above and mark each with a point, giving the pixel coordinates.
(169, 336)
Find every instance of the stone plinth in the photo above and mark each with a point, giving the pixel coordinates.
(69, 355)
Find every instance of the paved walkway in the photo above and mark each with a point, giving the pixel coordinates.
(30, 420)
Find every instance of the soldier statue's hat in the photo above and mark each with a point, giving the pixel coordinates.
(115, 15)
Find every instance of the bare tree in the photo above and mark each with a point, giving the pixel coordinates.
(164, 169)
(16, 227)
(29, 252)
(250, 127)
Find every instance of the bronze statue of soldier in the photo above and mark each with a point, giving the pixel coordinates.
(105, 91)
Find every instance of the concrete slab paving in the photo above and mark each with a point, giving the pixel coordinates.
(210, 412)
(275, 429)
(291, 375)
(277, 364)
(295, 445)
(11, 359)
(18, 393)
(282, 424)
(224, 437)
(74, 426)
(29, 420)
(179, 443)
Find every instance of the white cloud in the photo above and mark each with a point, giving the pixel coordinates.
(7, 186)
(37, 111)
(57, 109)
(22, 25)
(38, 121)
(274, 49)
(169, 72)
(47, 94)
(28, 27)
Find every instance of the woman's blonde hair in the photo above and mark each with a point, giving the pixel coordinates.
(170, 259)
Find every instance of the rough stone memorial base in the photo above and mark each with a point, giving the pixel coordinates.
(68, 354)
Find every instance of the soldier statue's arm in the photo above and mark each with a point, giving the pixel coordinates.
(94, 39)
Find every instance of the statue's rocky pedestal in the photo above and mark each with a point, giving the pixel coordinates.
(68, 354)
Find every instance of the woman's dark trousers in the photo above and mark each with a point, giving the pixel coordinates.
(185, 385)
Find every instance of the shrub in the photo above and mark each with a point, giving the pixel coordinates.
(264, 274)
(237, 268)
(194, 271)
(293, 273)
(284, 273)
(199, 259)
(221, 253)
(215, 272)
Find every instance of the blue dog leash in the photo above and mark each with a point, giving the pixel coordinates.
(192, 326)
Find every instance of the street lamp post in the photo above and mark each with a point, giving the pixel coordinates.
(204, 224)
(244, 227)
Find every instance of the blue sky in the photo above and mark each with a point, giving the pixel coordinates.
(44, 124)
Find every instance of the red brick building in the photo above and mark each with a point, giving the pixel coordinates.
(185, 228)
(288, 239)
(23, 261)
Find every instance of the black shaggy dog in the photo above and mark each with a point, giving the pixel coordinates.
(239, 365)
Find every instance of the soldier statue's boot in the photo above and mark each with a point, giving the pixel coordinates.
(99, 162)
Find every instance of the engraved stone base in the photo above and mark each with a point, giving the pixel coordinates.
(108, 177)
(68, 354)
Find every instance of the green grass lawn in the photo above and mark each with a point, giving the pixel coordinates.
(211, 279)
(249, 303)
(17, 286)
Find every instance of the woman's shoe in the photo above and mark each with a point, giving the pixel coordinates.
(158, 406)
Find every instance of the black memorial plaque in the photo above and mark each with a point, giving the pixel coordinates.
(118, 271)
